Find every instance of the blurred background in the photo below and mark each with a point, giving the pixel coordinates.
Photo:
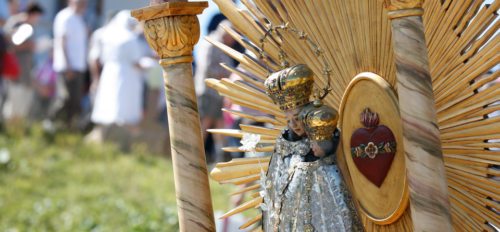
(84, 140)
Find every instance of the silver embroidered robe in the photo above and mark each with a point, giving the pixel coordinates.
(305, 196)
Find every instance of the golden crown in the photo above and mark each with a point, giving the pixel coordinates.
(319, 121)
(291, 87)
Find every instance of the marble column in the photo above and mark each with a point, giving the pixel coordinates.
(172, 29)
(430, 207)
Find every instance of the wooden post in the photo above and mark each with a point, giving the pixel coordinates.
(430, 207)
(172, 29)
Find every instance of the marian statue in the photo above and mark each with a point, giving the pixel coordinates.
(303, 189)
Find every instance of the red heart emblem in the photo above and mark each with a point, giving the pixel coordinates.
(373, 148)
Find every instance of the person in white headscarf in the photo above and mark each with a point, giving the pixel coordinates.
(119, 95)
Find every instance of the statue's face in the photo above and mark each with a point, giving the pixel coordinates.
(317, 149)
(292, 117)
(321, 148)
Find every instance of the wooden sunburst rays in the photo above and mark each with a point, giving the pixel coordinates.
(463, 44)
(243, 171)
(463, 47)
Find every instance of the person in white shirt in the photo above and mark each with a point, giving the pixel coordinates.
(119, 96)
(70, 50)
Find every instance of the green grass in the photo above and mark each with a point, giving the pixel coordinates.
(66, 185)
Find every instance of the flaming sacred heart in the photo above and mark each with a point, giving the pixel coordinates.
(373, 148)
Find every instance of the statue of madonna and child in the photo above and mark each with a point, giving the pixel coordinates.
(303, 189)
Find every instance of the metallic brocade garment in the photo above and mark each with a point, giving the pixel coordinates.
(305, 196)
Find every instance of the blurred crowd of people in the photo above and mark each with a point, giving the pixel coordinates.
(18, 86)
(90, 79)
(94, 80)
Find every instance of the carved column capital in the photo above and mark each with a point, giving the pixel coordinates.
(404, 8)
(172, 29)
(173, 36)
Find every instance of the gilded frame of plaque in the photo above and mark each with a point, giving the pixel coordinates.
(386, 203)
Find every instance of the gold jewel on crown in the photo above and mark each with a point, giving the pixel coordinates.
(319, 121)
(291, 87)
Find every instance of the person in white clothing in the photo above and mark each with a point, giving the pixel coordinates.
(119, 94)
(94, 57)
(70, 51)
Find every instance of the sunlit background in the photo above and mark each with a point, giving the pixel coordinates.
(60, 182)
